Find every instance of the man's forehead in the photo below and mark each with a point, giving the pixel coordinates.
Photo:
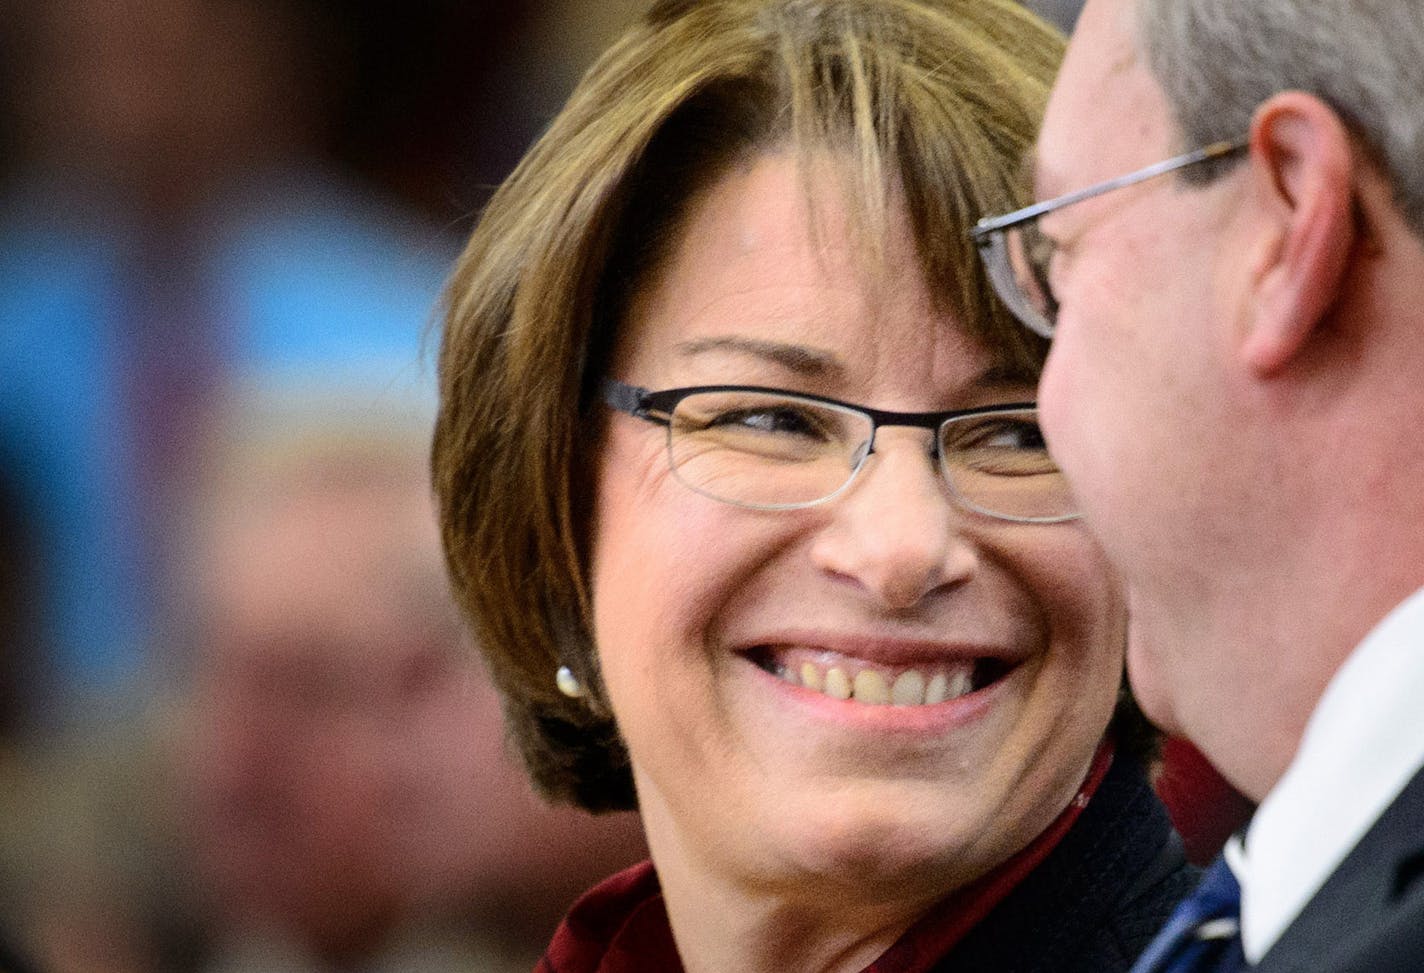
(1105, 38)
(1104, 101)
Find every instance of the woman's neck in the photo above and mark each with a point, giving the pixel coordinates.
(729, 921)
(723, 925)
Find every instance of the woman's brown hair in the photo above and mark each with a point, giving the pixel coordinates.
(933, 102)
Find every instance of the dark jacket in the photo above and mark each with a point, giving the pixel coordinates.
(1099, 897)
(1090, 906)
(1368, 917)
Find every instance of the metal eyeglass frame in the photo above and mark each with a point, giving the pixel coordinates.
(988, 233)
(657, 407)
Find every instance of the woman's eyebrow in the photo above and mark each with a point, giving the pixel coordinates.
(1004, 377)
(819, 363)
(801, 359)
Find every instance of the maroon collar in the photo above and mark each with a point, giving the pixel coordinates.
(621, 926)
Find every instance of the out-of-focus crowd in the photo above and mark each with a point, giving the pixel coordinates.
(239, 726)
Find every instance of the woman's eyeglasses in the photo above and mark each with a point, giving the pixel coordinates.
(770, 449)
(1017, 255)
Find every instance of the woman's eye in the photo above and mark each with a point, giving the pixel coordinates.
(999, 446)
(1015, 434)
(773, 420)
(995, 435)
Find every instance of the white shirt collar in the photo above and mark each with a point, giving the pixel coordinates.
(1361, 746)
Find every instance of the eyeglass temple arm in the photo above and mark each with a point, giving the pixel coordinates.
(624, 398)
(990, 225)
(631, 399)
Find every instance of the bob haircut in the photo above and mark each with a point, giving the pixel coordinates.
(929, 104)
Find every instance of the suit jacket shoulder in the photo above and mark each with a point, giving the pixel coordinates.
(1368, 917)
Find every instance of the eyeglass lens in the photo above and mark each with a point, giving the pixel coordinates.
(764, 450)
(998, 463)
(1024, 255)
(772, 450)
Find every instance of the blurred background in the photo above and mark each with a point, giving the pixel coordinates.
(240, 727)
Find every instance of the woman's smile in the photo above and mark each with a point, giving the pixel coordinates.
(868, 683)
(882, 670)
(872, 693)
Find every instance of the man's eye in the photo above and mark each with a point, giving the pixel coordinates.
(1042, 251)
(1041, 246)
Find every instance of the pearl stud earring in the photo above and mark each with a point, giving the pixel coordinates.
(568, 683)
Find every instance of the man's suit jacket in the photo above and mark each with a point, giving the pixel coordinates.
(1368, 917)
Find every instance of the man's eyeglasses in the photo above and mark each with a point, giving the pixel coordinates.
(1017, 255)
(775, 450)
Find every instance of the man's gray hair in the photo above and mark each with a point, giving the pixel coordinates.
(1217, 60)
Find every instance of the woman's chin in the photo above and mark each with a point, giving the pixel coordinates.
(873, 849)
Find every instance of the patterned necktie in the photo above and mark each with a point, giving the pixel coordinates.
(1204, 933)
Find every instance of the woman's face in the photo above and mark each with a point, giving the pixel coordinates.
(700, 605)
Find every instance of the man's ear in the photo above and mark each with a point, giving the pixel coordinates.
(1302, 178)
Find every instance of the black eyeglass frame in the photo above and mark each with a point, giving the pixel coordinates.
(657, 407)
(988, 233)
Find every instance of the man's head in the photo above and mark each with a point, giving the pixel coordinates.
(1233, 387)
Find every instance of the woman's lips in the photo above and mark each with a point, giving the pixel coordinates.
(845, 677)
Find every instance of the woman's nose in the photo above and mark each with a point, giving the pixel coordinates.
(896, 531)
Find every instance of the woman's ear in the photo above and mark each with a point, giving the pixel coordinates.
(1303, 182)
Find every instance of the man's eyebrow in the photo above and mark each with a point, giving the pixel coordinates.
(801, 359)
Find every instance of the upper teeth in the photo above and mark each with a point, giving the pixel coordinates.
(908, 687)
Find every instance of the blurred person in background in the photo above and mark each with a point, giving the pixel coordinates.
(328, 788)
(346, 792)
(170, 224)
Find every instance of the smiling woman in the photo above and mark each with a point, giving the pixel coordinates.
(743, 491)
